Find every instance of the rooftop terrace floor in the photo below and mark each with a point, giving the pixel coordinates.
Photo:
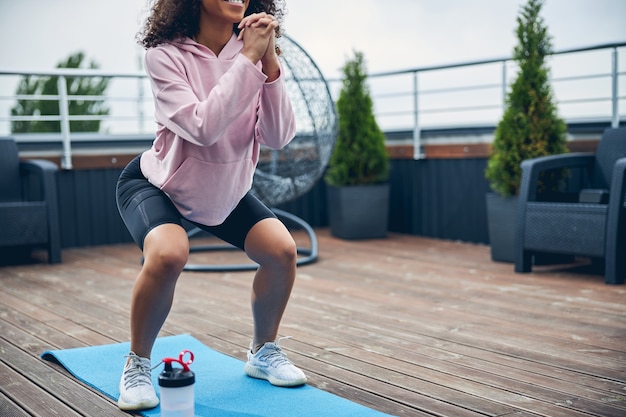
(406, 325)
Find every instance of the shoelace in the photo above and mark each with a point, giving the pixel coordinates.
(137, 373)
(275, 356)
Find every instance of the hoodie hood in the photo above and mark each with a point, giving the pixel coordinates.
(230, 50)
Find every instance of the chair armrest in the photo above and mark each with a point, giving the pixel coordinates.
(44, 171)
(616, 226)
(618, 184)
(38, 165)
(531, 168)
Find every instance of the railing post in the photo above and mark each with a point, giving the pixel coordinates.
(417, 134)
(615, 94)
(66, 160)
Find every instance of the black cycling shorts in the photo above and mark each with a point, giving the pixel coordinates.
(144, 207)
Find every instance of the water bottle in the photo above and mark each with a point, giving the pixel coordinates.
(176, 385)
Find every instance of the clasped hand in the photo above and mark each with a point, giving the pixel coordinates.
(258, 34)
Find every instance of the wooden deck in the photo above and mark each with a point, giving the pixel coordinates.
(406, 325)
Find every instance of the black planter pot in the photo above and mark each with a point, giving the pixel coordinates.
(359, 212)
(501, 216)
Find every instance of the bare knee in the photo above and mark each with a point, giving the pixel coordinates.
(166, 250)
(168, 259)
(283, 253)
(270, 244)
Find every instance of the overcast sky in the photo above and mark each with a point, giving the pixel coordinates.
(392, 34)
(398, 34)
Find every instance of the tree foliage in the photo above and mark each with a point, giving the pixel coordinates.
(359, 156)
(530, 126)
(48, 86)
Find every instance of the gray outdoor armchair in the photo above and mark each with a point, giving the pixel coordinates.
(29, 214)
(590, 222)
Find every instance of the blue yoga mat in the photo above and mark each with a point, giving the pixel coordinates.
(222, 388)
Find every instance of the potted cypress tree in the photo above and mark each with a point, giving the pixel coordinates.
(358, 170)
(529, 128)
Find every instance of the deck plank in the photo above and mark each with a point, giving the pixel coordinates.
(406, 325)
(42, 389)
(7, 406)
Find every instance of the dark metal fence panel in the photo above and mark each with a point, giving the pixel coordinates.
(439, 198)
(88, 213)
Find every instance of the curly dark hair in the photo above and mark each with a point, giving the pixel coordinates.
(173, 19)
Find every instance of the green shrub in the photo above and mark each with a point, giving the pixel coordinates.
(48, 86)
(530, 126)
(359, 156)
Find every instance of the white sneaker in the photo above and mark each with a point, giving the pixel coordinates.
(136, 390)
(271, 363)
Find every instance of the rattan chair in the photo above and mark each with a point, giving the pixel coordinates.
(593, 225)
(29, 214)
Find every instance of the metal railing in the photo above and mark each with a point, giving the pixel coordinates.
(119, 97)
(463, 94)
(585, 81)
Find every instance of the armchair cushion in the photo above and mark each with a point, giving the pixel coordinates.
(593, 196)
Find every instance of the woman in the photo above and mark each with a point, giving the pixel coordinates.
(219, 95)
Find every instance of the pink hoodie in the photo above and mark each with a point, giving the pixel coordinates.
(212, 114)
